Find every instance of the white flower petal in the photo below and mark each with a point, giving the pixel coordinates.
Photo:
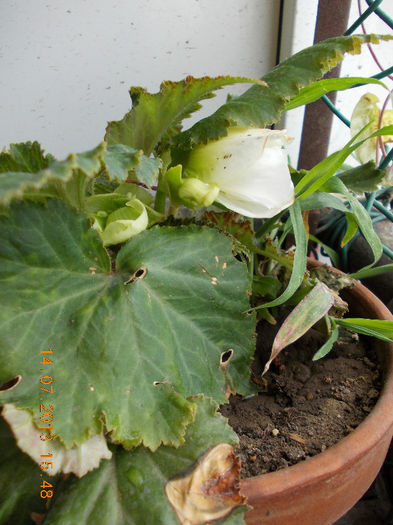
(250, 168)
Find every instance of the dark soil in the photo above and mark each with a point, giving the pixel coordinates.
(308, 405)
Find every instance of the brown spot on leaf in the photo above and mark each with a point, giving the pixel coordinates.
(210, 491)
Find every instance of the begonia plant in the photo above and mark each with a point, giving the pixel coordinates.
(132, 277)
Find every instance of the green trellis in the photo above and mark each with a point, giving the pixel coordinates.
(378, 204)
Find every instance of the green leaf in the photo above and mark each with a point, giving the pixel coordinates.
(321, 199)
(120, 160)
(300, 259)
(20, 480)
(335, 258)
(25, 156)
(266, 286)
(309, 311)
(261, 106)
(318, 89)
(362, 217)
(129, 489)
(365, 178)
(373, 327)
(155, 118)
(328, 345)
(67, 179)
(352, 228)
(319, 175)
(372, 272)
(132, 343)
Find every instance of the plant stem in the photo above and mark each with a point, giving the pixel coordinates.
(160, 200)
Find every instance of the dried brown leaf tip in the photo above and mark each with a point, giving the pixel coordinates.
(210, 491)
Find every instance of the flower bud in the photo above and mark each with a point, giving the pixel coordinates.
(123, 223)
(195, 193)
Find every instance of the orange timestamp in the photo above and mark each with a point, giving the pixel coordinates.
(46, 418)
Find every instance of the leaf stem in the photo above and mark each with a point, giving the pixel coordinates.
(160, 200)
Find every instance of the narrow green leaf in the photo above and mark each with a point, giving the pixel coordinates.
(373, 327)
(324, 170)
(362, 217)
(335, 258)
(372, 272)
(129, 489)
(352, 228)
(310, 310)
(322, 87)
(325, 348)
(132, 341)
(155, 118)
(299, 262)
(321, 199)
(261, 106)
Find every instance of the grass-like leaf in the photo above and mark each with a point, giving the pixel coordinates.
(373, 327)
(310, 310)
(318, 89)
(299, 261)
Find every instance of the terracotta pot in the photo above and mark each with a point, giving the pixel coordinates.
(320, 490)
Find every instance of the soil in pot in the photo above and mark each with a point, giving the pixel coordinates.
(308, 405)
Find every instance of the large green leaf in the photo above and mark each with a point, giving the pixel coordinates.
(129, 489)
(261, 106)
(128, 346)
(157, 117)
(67, 179)
(24, 156)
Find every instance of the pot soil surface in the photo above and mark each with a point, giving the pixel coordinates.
(308, 405)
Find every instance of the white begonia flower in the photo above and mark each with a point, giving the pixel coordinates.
(250, 168)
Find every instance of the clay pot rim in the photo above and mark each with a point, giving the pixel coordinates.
(347, 451)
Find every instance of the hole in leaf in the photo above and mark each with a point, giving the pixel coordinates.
(140, 273)
(12, 383)
(226, 356)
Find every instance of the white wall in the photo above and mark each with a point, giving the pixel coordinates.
(66, 65)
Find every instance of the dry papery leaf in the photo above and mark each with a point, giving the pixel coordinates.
(210, 491)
